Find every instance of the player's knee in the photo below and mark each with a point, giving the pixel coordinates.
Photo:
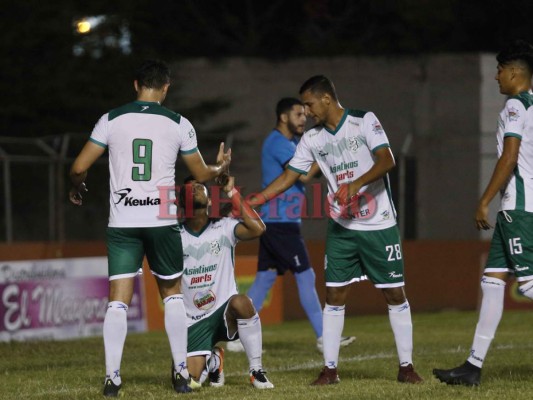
(394, 296)
(336, 296)
(242, 306)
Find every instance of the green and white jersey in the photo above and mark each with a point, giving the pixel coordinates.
(344, 155)
(516, 120)
(143, 139)
(208, 279)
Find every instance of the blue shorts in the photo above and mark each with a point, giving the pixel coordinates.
(282, 248)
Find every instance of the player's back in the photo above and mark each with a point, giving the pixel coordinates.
(143, 139)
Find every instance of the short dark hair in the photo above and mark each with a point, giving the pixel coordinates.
(319, 84)
(285, 105)
(517, 50)
(153, 74)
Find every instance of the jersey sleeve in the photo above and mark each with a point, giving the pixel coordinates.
(230, 224)
(514, 118)
(282, 151)
(188, 141)
(375, 135)
(100, 133)
(303, 157)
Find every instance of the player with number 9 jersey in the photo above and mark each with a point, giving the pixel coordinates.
(144, 139)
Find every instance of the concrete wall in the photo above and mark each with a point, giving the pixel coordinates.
(434, 98)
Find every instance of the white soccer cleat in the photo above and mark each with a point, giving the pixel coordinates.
(235, 346)
(216, 378)
(259, 380)
(345, 341)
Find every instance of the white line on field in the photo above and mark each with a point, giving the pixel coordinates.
(377, 356)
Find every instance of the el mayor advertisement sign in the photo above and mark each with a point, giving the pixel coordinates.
(58, 299)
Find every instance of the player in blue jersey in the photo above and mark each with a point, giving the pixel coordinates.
(282, 247)
(511, 248)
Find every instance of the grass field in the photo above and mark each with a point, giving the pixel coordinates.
(368, 367)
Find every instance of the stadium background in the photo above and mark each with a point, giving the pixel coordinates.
(424, 67)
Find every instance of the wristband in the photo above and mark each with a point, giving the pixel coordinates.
(232, 192)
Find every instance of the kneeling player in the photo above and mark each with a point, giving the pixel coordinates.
(215, 310)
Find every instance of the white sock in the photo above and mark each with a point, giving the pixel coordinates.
(213, 363)
(252, 340)
(115, 331)
(402, 327)
(176, 327)
(527, 289)
(333, 324)
(489, 318)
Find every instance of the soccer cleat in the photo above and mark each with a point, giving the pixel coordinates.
(466, 374)
(180, 384)
(259, 380)
(235, 346)
(110, 389)
(194, 385)
(407, 374)
(345, 341)
(216, 378)
(328, 376)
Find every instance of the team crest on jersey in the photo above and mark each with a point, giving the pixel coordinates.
(376, 127)
(204, 300)
(354, 143)
(192, 133)
(513, 114)
(214, 247)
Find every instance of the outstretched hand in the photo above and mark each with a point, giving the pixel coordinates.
(75, 194)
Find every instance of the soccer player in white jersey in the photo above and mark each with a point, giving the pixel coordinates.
(352, 151)
(143, 139)
(215, 310)
(511, 249)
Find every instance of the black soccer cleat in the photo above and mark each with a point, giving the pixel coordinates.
(180, 384)
(466, 374)
(110, 389)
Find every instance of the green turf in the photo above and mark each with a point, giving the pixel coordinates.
(368, 367)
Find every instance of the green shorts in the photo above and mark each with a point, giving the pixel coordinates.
(352, 256)
(511, 248)
(203, 335)
(126, 248)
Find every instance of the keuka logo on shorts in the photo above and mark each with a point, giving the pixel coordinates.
(132, 201)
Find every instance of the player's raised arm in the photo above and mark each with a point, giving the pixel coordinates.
(252, 225)
(203, 172)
